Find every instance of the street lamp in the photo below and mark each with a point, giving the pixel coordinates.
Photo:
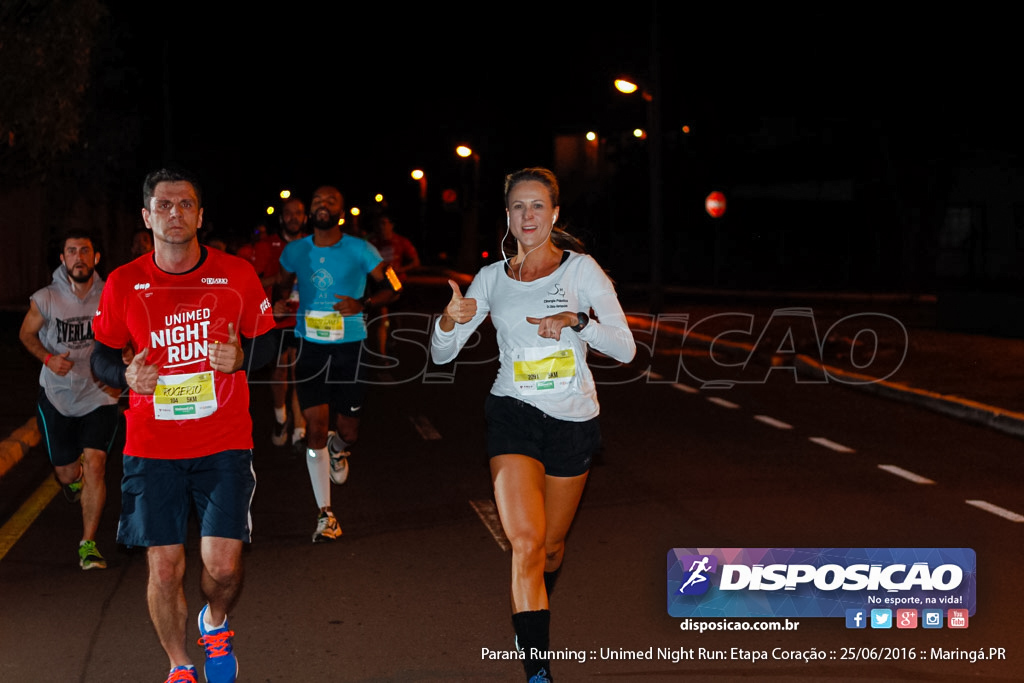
(471, 216)
(653, 136)
(420, 177)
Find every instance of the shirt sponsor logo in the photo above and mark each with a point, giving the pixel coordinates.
(215, 280)
(142, 285)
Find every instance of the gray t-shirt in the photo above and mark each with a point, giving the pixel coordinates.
(68, 327)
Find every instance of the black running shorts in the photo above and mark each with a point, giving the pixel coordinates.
(566, 449)
(331, 374)
(65, 437)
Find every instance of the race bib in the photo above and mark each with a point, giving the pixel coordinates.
(543, 371)
(185, 397)
(324, 326)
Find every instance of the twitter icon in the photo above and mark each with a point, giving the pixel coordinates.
(881, 618)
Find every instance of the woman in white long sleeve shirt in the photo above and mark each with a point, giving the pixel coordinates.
(542, 411)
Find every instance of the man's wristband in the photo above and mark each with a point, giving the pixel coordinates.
(48, 357)
(581, 321)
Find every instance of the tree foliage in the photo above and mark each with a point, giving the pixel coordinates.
(46, 47)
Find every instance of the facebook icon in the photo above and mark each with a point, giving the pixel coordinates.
(856, 618)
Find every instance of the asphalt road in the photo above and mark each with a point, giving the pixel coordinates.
(417, 588)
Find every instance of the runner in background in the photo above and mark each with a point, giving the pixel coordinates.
(78, 416)
(265, 255)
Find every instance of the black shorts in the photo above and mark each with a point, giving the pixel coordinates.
(286, 339)
(566, 449)
(65, 437)
(158, 495)
(331, 374)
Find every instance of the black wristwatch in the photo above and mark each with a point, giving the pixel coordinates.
(581, 321)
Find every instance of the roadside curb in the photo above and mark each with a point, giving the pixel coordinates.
(994, 417)
(18, 444)
(1003, 420)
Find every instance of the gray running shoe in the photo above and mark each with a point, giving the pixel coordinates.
(339, 459)
(327, 528)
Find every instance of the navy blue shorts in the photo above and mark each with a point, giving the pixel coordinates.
(331, 374)
(65, 437)
(158, 495)
(566, 449)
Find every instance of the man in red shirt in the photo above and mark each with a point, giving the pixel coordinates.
(187, 310)
(265, 255)
(401, 256)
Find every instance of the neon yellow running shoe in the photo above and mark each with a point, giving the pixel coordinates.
(89, 557)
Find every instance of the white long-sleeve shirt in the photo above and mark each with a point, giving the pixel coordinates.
(550, 375)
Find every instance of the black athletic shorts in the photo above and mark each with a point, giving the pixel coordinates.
(331, 374)
(566, 449)
(286, 339)
(65, 437)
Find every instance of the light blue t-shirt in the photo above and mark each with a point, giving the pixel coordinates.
(323, 272)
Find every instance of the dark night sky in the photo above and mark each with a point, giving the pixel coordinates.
(357, 96)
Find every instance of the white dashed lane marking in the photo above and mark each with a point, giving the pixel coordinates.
(831, 445)
(771, 421)
(840, 448)
(488, 514)
(722, 402)
(906, 474)
(996, 510)
(425, 428)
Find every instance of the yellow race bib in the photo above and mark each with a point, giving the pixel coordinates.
(185, 397)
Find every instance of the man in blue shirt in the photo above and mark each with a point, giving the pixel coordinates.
(332, 270)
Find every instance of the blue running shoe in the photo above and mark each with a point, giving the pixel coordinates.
(221, 664)
(540, 677)
(182, 674)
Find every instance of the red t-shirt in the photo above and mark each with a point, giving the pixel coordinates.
(196, 411)
(396, 252)
(265, 255)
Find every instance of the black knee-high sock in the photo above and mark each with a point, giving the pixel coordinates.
(549, 581)
(532, 629)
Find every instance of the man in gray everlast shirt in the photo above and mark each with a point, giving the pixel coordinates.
(78, 416)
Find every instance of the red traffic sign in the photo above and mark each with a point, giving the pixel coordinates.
(714, 204)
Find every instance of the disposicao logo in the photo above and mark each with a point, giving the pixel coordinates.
(818, 582)
(696, 580)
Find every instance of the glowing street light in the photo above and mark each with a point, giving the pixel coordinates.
(653, 137)
(626, 86)
(471, 217)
